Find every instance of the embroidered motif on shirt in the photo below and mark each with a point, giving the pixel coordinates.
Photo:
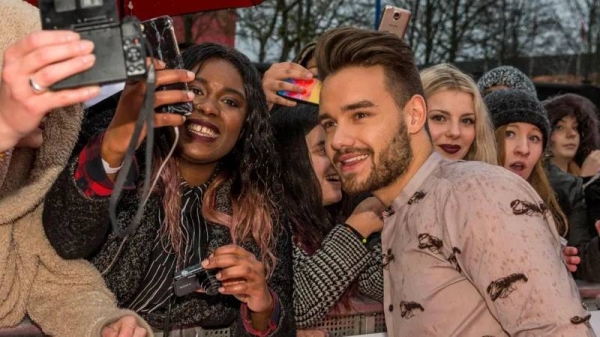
(416, 197)
(501, 288)
(427, 241)
(521, 207)
(580, 320)
(407, 309)
(452, 259)
(387, 258)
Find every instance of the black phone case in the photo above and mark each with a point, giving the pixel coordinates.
(160, 36)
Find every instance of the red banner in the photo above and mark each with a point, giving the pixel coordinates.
(147, 9)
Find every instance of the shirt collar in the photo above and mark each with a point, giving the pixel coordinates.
(417, 181)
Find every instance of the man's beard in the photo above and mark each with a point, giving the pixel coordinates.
(392, 163)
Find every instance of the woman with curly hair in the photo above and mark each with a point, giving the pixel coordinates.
(216, 205)
(575, 141)
(575, 149)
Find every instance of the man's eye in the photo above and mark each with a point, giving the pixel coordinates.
(327, 124)
(360, 115)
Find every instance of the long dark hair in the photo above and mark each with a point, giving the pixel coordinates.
(303, 199)
(252, 167)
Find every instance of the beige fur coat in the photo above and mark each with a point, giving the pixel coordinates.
(66, 298)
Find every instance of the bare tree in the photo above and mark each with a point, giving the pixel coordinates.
(278, 29)
(584, 22)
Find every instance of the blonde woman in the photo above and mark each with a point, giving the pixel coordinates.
(459, 123)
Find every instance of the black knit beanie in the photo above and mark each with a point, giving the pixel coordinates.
(517, 106)
(507, 76)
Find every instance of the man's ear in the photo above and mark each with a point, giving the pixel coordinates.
(415, 114)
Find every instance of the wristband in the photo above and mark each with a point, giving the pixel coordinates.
(110, 170)
(351, 229)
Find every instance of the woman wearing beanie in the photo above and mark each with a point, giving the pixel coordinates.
(522, 133)
(458, 121)
(505, 77)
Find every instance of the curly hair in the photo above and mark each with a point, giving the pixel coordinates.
(584, 111)
(252, 167)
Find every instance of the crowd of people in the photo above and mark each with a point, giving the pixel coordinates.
(467, 208)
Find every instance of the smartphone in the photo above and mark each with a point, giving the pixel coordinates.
(394, 20)
(312, 90)
(161, 38)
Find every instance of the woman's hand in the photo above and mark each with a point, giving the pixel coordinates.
(242, 276)
(121, 128)
(591, 164)
(367, 217)
(571, 259)
(274, 81)
(33, 64)
(125, 327)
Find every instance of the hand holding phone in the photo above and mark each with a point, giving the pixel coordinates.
(310, 94)
(160, 35)
(275, 79)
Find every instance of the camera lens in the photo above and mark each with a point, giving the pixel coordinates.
(396, 16)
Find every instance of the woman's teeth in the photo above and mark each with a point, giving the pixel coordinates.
(202, 131)
(517, 166)
(332, 177)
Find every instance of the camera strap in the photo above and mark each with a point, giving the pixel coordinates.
(146, 118)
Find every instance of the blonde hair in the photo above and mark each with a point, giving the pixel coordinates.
(540, 183)
(447, 77)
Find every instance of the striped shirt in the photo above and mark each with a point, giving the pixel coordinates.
(158, 281)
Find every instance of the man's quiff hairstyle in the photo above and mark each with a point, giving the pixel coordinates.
(347, 46)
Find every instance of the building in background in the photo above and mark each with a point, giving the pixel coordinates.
(215, 26)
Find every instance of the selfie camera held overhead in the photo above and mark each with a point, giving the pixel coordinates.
(120, 49)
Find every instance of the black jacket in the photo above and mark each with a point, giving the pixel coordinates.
(592, 199)
(582, 234)
(78, 227)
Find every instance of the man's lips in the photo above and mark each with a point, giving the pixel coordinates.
(450, 149)
(350, 161)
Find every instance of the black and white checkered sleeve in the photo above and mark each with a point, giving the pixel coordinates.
(321, 279)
